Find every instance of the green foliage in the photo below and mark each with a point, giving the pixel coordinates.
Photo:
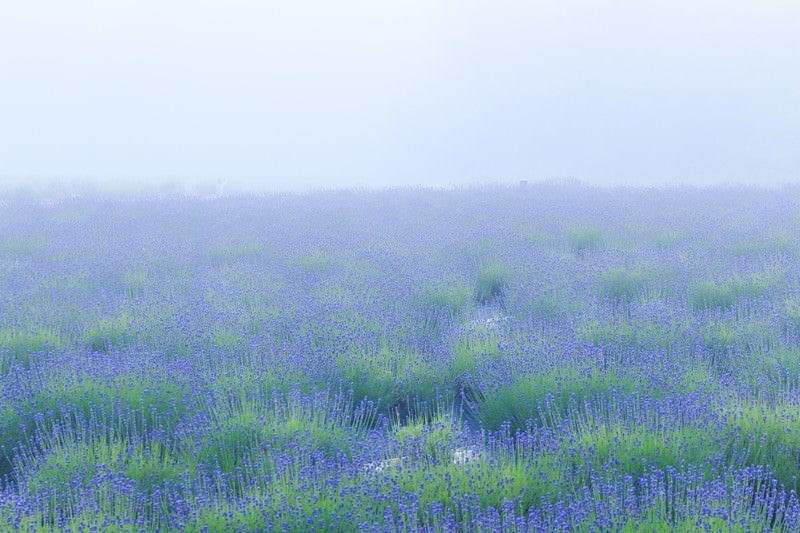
(453, 299)
(759, 434)
(250, 379)
(634, 448)
(763, 245)
(317, 262)
(618, 336)
(136, 282)
(724, 294)
(428, 432)
(109, 332)
(552, 305)
(17, 345)
(491, 283)
(748, 340)
(719, 338)
(22, 245)
(69, 456)
(154, 328)
(710, 294)
(443, 304)
(778, 368)
(547, 398)
(290, 499)
(393, 377)
(695, 378)
(249, 432)
(496, 476)
(584, 239)
(225, 339)
(232, 442)
(67, 469)
(12, 434)
(132, 403)
(470, 354)
(624, 285)
(665, 238)
(790, 316)
(472, 350)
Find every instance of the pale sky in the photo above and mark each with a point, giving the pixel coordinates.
(297, 94)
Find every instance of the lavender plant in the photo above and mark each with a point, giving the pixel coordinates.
(556, 358)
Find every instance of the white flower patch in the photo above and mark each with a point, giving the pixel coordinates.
(381, 466)
(493, 322)
(462, 456)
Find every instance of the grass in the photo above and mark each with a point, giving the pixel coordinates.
(225, 339)
(724, 294)
(428, 432)
(129, 404)
(251, 378)
(470, 355)
(711, 294)
(472, 350)
(75, 467)
(491, 283)
(758, 434)
(777, 369)
(774, 243)
(317, 263)
(552, 304)
(625, 285)
(546, 399)
(109, 332)
(491, 482)
(635, 448)
(664, 238)
(392, 377)
(136, 282)
(247, 435)
(17, 345)
(453, 299)
(790, 320)
(619, 334)
(719, 340)
(19, 245)
(582, 240)
(444, 305)
(70, 459)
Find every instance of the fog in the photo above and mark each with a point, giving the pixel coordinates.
(292, 95)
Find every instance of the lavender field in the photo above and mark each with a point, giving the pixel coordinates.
(540, 358)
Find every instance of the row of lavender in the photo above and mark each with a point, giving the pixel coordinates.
(543, 358)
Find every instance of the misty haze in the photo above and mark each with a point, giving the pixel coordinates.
(306, 95)
(422, 266)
